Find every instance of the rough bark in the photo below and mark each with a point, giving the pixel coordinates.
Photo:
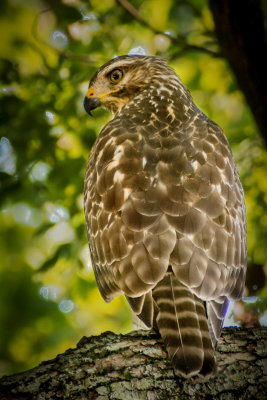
(134, 366)
(242, 34)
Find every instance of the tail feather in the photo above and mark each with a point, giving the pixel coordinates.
(183, 326)
(209, 366)
(216, 310)
(145, 308)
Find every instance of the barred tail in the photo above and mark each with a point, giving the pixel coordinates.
(183, 325)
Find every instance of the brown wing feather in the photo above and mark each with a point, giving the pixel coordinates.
(130, 238)
(211, 243)
(191, 218)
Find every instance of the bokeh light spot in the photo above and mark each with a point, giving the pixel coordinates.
(137, 51)
(26, 215)
(7, 157)
(56, 213)
(49, 292)
(40, 171)
(60, 39)
(66, 306)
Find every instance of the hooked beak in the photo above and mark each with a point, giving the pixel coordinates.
(91, 101)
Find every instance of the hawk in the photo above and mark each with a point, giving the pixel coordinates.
(164, 209)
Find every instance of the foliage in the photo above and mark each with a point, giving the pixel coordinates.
(49, 51)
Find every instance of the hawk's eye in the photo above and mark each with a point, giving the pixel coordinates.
(116, 75)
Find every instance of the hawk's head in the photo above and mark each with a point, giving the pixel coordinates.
(122, 78)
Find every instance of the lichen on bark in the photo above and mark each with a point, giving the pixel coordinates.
(135, 367)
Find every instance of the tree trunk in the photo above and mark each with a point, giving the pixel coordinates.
(242, 34)
(134, 366)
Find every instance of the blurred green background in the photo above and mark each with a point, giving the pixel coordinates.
(49, 50)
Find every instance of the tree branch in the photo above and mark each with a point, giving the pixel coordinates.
(178, 40)
(134, 366)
